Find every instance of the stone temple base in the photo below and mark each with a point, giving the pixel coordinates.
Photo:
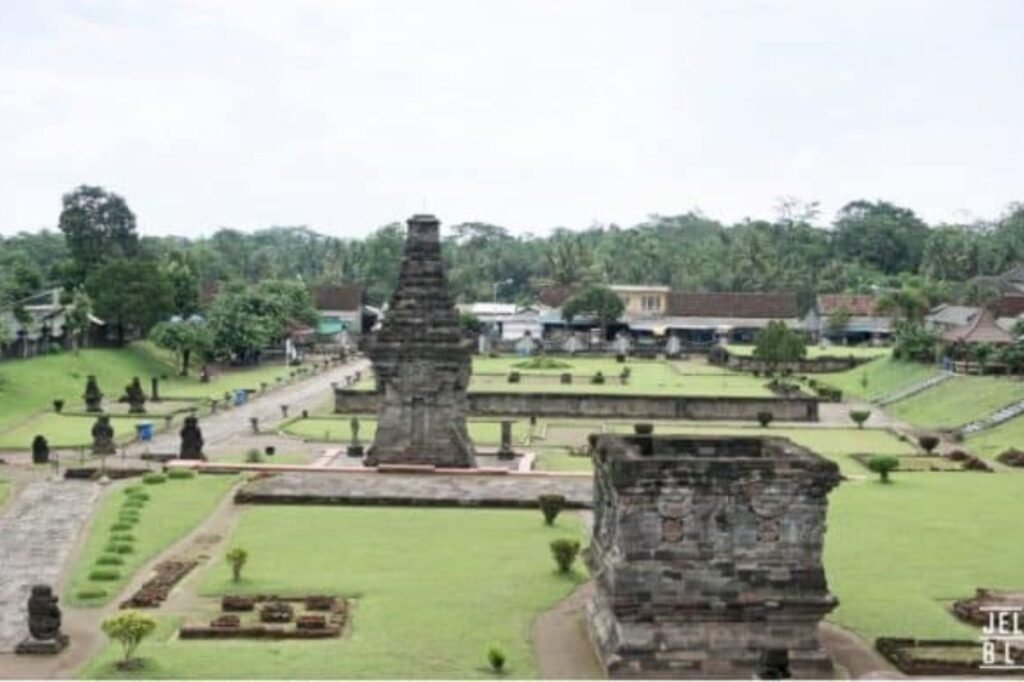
(715, 649)
(42, 647)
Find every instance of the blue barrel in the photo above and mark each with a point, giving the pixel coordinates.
(240, 396)
(144, 430)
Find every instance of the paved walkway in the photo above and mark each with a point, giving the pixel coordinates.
(37, 533)
(426, 489)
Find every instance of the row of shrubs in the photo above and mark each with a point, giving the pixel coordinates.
(514, 377)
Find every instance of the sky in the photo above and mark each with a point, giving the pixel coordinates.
(347, 115)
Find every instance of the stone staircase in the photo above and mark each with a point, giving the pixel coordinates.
(1000, 416)
(913, 389)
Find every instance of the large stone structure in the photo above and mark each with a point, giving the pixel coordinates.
(706, 553)
(422, 363)
(44, 620)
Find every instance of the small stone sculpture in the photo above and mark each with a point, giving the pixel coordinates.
(135, 397)
(191, 439)
(40, 450)
(103, 437)
(92, 396)
(355, 448)
(505, 450)
(45, 636)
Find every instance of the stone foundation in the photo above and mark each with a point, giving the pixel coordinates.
(706, 553)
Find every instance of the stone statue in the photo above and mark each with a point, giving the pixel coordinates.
(40, 450)
(103, 437)
(355, 448)
(45, 636)
(92, 396)
(505, 449)
(135, 397)
(191, 439)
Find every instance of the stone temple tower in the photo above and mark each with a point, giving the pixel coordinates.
(422, 363)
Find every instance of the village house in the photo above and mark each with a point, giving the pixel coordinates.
(848, 319)
(341, 309)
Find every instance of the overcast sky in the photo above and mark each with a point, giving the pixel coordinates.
(344, 116)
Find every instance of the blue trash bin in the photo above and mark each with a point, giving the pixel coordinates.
(240, 396)
(144, 431)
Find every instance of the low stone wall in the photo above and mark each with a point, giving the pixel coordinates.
(819, 365)
(602, 406)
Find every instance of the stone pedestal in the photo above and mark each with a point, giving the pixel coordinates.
(422, 363)
(706, 553)
(42, 647)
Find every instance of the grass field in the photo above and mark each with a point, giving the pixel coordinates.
(338, 430)
(434, 589)
(897, 554)
(174, 508)
(994, 441)
(65, 432)
(28, 387)
(818, 351)
(884, 376)
(958, 401)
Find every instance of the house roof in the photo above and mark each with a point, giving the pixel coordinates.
(639, 288)
(715, 323)
(757, 305)
(983, 329)
(1009, 305)
(952, 315)
(339, 296)
(862, 305)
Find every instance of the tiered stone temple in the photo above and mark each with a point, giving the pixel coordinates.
(707, 557)
(422, 363)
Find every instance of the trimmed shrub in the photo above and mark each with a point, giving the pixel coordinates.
(132, 503)
(128, 516)
(153, 479)
(119, 548)
(91, 593)
(253, 456)
(496, 659)
(765, 418)
(105, 574)
(109, 560)
(598, 378)
(132, 489)
(883, 465)
(859, 417)
(141, 496)
(551, 506)
(121, 525)
(928, 442)
(513, 377)
(565, 552)
(180, 474)
(122, 537)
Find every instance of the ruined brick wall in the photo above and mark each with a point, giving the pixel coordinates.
(706, 554)
(422, 363)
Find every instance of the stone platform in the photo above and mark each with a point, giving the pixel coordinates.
(438, 489)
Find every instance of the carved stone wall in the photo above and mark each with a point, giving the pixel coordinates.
(707, 556)
(422, 363)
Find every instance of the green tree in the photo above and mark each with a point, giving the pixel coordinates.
(129, 629)
(778, 344)
(883, 465)
(982, 353)
(131, 294)
(888, 237)
(237, 558)
(184, 282)
(599, 302)
(186, 338)
(78, 317)
(98, 226)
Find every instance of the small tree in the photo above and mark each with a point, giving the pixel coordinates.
(928, 442)
(496, 659)
(565, 552)
(859, 417)
(883, 465)
(129, 628)
(551, 506)
(765, 418)
(78, 316)
(237, 557)
(982, 354)
(600, 303)
(777, 343)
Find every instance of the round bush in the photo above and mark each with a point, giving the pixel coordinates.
(92, 593)
(133, 503)
(120, 525)
(180, 474)
(109, 560)
(122, 537)
(133, 489)
(153, 479)
(119, 548)
(128, 516)
(105, 574)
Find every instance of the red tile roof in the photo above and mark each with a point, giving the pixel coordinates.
(1009, 305)
(862, 305)
(339, 297)
(554, 295)
(765, 305)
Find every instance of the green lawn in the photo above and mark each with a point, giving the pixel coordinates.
(64, 432)
(485, 431)
(559, 459)
(897, 554)
(814, 351)
(994, 441)
(958, 401)
(28, 387)
(884, 376)
(434, 589)
(174, 508)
